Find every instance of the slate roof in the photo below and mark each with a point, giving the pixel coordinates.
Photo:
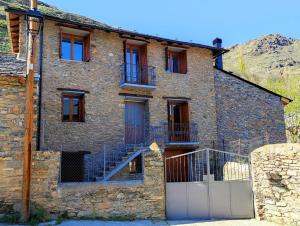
(49, 10)
(11, 66)
(253, 84)
(53, 13)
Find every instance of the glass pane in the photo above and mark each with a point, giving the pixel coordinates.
(168, 65)
(135, 65)
(66, 49)
(78, 50)
(66, 109)
(128, 68)
(175, 64)
(75, 109)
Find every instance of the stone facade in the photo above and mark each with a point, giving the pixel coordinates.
(247, 112)
(276, 183)
(142, 200)
(12, 106)
(104, 107)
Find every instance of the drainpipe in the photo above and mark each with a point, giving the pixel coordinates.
(40, 90)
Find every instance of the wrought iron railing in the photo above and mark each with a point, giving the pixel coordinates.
(95, 166)
(137, 74)
(175, 133)
(207, 164)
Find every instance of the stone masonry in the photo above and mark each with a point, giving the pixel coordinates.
(104, 121)
(276, 183)
(12, 105)
(247, 112)
(144, 200)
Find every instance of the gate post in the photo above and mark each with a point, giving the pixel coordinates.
(208, 180)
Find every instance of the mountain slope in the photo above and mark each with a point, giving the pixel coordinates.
(272, 61)
(269, 57)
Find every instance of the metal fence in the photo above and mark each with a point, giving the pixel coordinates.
(94, 162)
(201, 164)
(85, 166)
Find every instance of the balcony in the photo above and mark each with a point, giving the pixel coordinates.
(177, 134)
(136, 76)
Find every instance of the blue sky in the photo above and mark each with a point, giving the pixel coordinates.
(235, 21)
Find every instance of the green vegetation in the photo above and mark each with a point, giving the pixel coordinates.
(13, 218)
(4, 44)
(272, 61)
(242, 64)
(290, 87)
(37, 216)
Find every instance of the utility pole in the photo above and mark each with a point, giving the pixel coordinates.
(29, 113)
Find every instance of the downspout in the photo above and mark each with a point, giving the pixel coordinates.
(40, 90)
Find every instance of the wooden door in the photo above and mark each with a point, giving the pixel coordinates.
(178, 121)
(136, 64)
(134, 122)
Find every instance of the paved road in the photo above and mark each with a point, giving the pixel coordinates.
(169, 223)
(161, 223)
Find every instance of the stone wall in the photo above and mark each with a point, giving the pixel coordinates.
(12, 106)
(143, 200)
(276, 183)
(247, 112)
(104, 107)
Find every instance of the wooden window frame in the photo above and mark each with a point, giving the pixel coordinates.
(170, 60)
(182, 61)
(86, 45)
(81, 107)
(131, 47)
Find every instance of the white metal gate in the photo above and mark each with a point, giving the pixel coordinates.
(223, 193)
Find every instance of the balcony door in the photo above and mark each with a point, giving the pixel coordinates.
(136, 64)
(178, 121)
(134, 122)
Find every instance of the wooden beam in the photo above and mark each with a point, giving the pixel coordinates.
(74, 90)
(29, 115)
(14, 19)
(176, 98)
(74, 27)
(135, 95)
(14, 23)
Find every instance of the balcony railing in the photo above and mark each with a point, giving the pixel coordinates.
(134, 75)
(175, 134)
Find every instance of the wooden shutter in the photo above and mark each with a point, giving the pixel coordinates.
(87, 48)
(184, 120)
(183, 62)
(124, 52)
(124, 68)
(60, 43)
(166, 58)
(144, 64)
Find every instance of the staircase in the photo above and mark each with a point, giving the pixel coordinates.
(103, 165)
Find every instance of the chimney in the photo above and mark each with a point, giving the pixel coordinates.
(217, 42)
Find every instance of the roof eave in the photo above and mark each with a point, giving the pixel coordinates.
(216, 51)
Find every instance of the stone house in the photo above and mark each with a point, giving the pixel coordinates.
(104, 91)
(104, 95)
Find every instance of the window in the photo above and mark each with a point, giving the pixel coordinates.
(176, 61)
(75, 47)
(136, 67)
(133, 64)
(73, 108)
